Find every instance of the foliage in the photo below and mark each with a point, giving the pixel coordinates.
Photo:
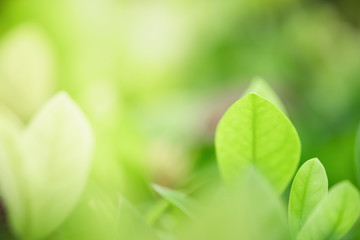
(45, 166)
(152, 80)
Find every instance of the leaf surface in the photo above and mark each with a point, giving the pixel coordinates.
(249, 209)
(309, 187)
(335, 214)
(27, 69)
(44, 168)
(253, 132)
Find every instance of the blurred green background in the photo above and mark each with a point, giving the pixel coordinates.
(154, 78)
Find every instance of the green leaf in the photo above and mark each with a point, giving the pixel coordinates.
(250, 209)
(309, 187)
(334, 215)
(261, 88)
(253, 132)
(44, 169)
(177, 199)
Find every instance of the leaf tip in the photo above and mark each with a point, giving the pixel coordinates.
(314, 161)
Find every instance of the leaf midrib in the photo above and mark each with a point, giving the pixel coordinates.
(302, 203)
(253, 128)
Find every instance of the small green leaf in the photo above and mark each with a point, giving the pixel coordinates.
(255, 132)
(261, 88)
(44, 169)
(177, 199)
(334, 215)
(309, 187)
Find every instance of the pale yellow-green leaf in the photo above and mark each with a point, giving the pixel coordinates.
(45, 167)
(12, 181)
(27, 69)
